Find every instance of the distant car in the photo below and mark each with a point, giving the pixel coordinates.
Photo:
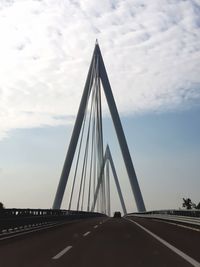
(117, 214)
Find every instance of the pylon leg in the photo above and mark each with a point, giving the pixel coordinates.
(74, 139)
(120, 135)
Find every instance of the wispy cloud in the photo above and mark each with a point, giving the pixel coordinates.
(151, 51)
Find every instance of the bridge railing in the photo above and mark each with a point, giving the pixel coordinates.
(21, 218)
(189, 213)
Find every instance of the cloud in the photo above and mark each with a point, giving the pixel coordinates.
(151, 51)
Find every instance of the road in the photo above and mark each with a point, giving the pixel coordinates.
(104, 242)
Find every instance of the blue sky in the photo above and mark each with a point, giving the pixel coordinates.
(165, 149)
(152, 56)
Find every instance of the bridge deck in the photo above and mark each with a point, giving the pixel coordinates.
(104, 242)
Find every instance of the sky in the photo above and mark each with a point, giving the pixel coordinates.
(152, 56)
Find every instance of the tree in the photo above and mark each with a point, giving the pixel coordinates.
(198, 206)
(187, 203)
(1, 206)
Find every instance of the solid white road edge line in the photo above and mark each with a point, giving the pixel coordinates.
(174, 249)
(60, 254)
(178, 225)
(87, 233)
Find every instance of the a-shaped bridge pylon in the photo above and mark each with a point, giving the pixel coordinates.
(97, 79)
(109, 160)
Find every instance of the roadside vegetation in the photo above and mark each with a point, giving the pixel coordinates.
(188, 204)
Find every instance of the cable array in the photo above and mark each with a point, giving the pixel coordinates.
(91, 147)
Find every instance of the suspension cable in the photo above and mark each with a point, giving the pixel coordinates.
(85, 161)
(81, 139)
(91, 162)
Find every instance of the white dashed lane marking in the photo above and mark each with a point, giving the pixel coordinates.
(62, 252)
(87, 233)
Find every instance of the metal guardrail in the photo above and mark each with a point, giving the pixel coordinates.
(189, 213)
(18, 218)
(184, 217)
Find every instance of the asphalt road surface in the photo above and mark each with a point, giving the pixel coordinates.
(105, 242)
